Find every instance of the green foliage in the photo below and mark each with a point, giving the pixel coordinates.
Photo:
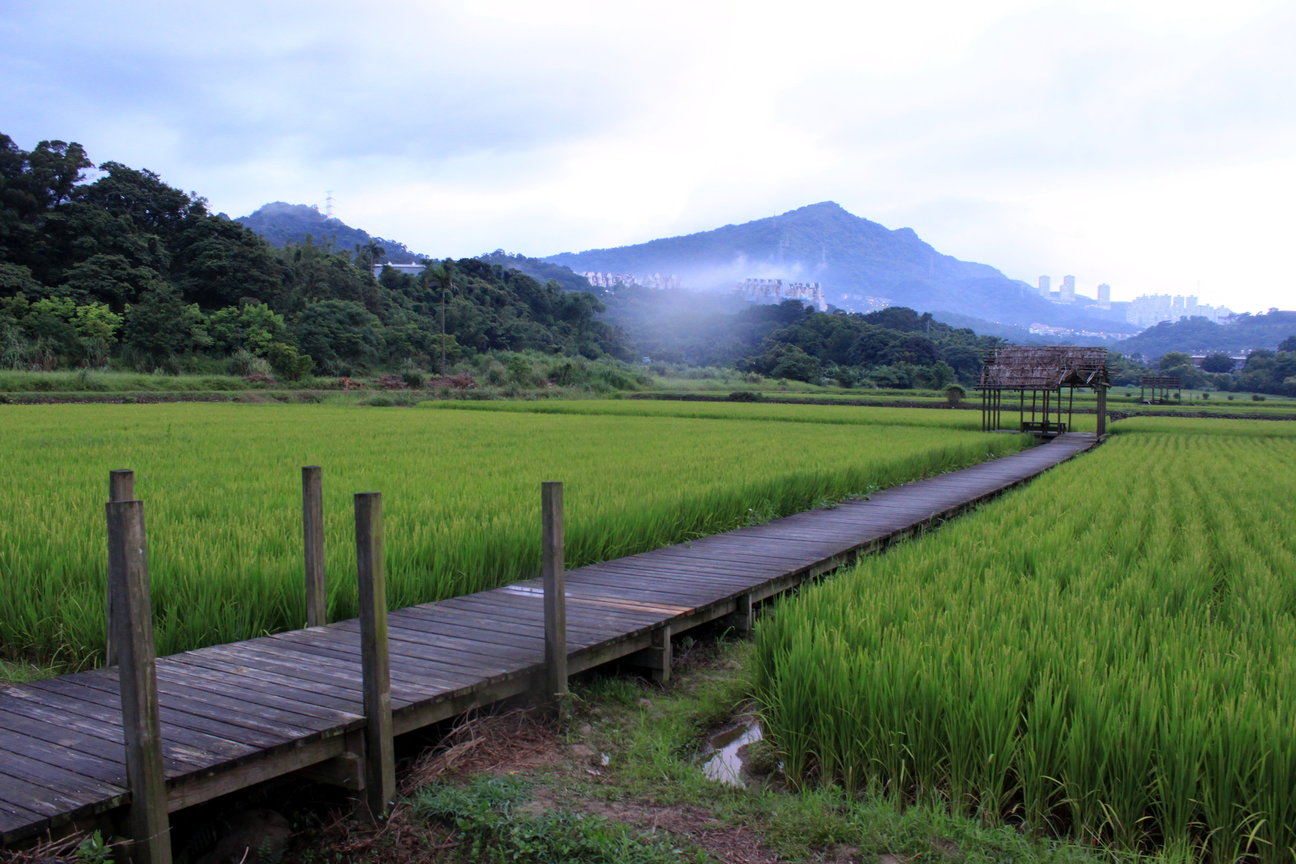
(153, 254)
(1217, 363)
(490, 812)
(1117, 672)
(253, 327)
(287, 362)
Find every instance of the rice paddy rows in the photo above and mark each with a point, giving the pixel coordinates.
(221, 486)
(1106, 653)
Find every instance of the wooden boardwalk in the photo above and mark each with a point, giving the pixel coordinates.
(238, 714)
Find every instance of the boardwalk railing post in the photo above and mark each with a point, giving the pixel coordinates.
(554, 573)
(133, 634)
(121, 487)
(380, 760)
(313, 531)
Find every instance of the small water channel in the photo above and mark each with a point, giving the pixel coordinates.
(722, 756)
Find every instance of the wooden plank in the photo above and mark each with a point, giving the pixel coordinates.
(262, 655)
(50, 783)
(69, 751)
(96, 722)
(263, 689)
(414, 669)
(447, 626)
(474, 651)
(679, 569)
(580, 623)
(243, 709)
(473, 615)
(49, 738)
(194, 731)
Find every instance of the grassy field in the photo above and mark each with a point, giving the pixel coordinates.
(221, 485)
(850, 415)
(1106, 653)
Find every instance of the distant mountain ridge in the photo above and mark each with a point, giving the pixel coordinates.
(281, 223)
(853, 258)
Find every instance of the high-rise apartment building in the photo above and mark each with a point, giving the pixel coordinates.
(1066, 294)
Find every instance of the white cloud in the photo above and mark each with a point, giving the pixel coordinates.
(1143, 144)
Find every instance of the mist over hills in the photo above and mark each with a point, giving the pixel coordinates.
(859, 263)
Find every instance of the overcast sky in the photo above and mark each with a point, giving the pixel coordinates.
(1150, 145)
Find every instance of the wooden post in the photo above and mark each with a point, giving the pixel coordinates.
(313, 532)
(661, 654)
(554, 572)
(133, 632)
(121, 487)
(743, 617)
(1102, 410)
(380, 759)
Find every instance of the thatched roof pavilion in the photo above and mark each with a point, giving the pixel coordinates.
(1043, 372)
(1161, 385)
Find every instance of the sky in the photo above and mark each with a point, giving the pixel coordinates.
(1148, 145)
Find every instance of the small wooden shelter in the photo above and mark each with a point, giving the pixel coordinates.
(1044, 372)
(1160, 385)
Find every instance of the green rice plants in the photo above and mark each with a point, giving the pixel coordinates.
(1106, 653)
(221, 486)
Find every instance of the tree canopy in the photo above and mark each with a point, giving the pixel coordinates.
(124, 267)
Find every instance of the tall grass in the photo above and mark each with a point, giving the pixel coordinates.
(1107, 653)
(221, 485)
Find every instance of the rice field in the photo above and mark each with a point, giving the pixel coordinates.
(1108, 653)
(221, 486)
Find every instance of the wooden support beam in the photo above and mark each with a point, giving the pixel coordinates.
(380, 760)
(658, 657)
(553, 569)
(1102, 411)
(313, 532)
(121, 487)
(743, 617)
(150, 828)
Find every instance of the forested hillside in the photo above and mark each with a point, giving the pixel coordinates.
(1203, 336)
(120, 268)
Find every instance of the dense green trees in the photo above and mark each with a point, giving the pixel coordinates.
(127, 269)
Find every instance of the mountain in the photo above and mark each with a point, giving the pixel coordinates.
(281, 224)
(860, 265)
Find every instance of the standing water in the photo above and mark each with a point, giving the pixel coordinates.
(724, 762)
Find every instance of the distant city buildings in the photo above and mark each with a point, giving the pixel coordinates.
(1151, 309)
(654, 280)
(767, 290)
(1145, 311)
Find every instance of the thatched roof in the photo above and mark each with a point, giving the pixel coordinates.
(1019, 367)
(1169, 382)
